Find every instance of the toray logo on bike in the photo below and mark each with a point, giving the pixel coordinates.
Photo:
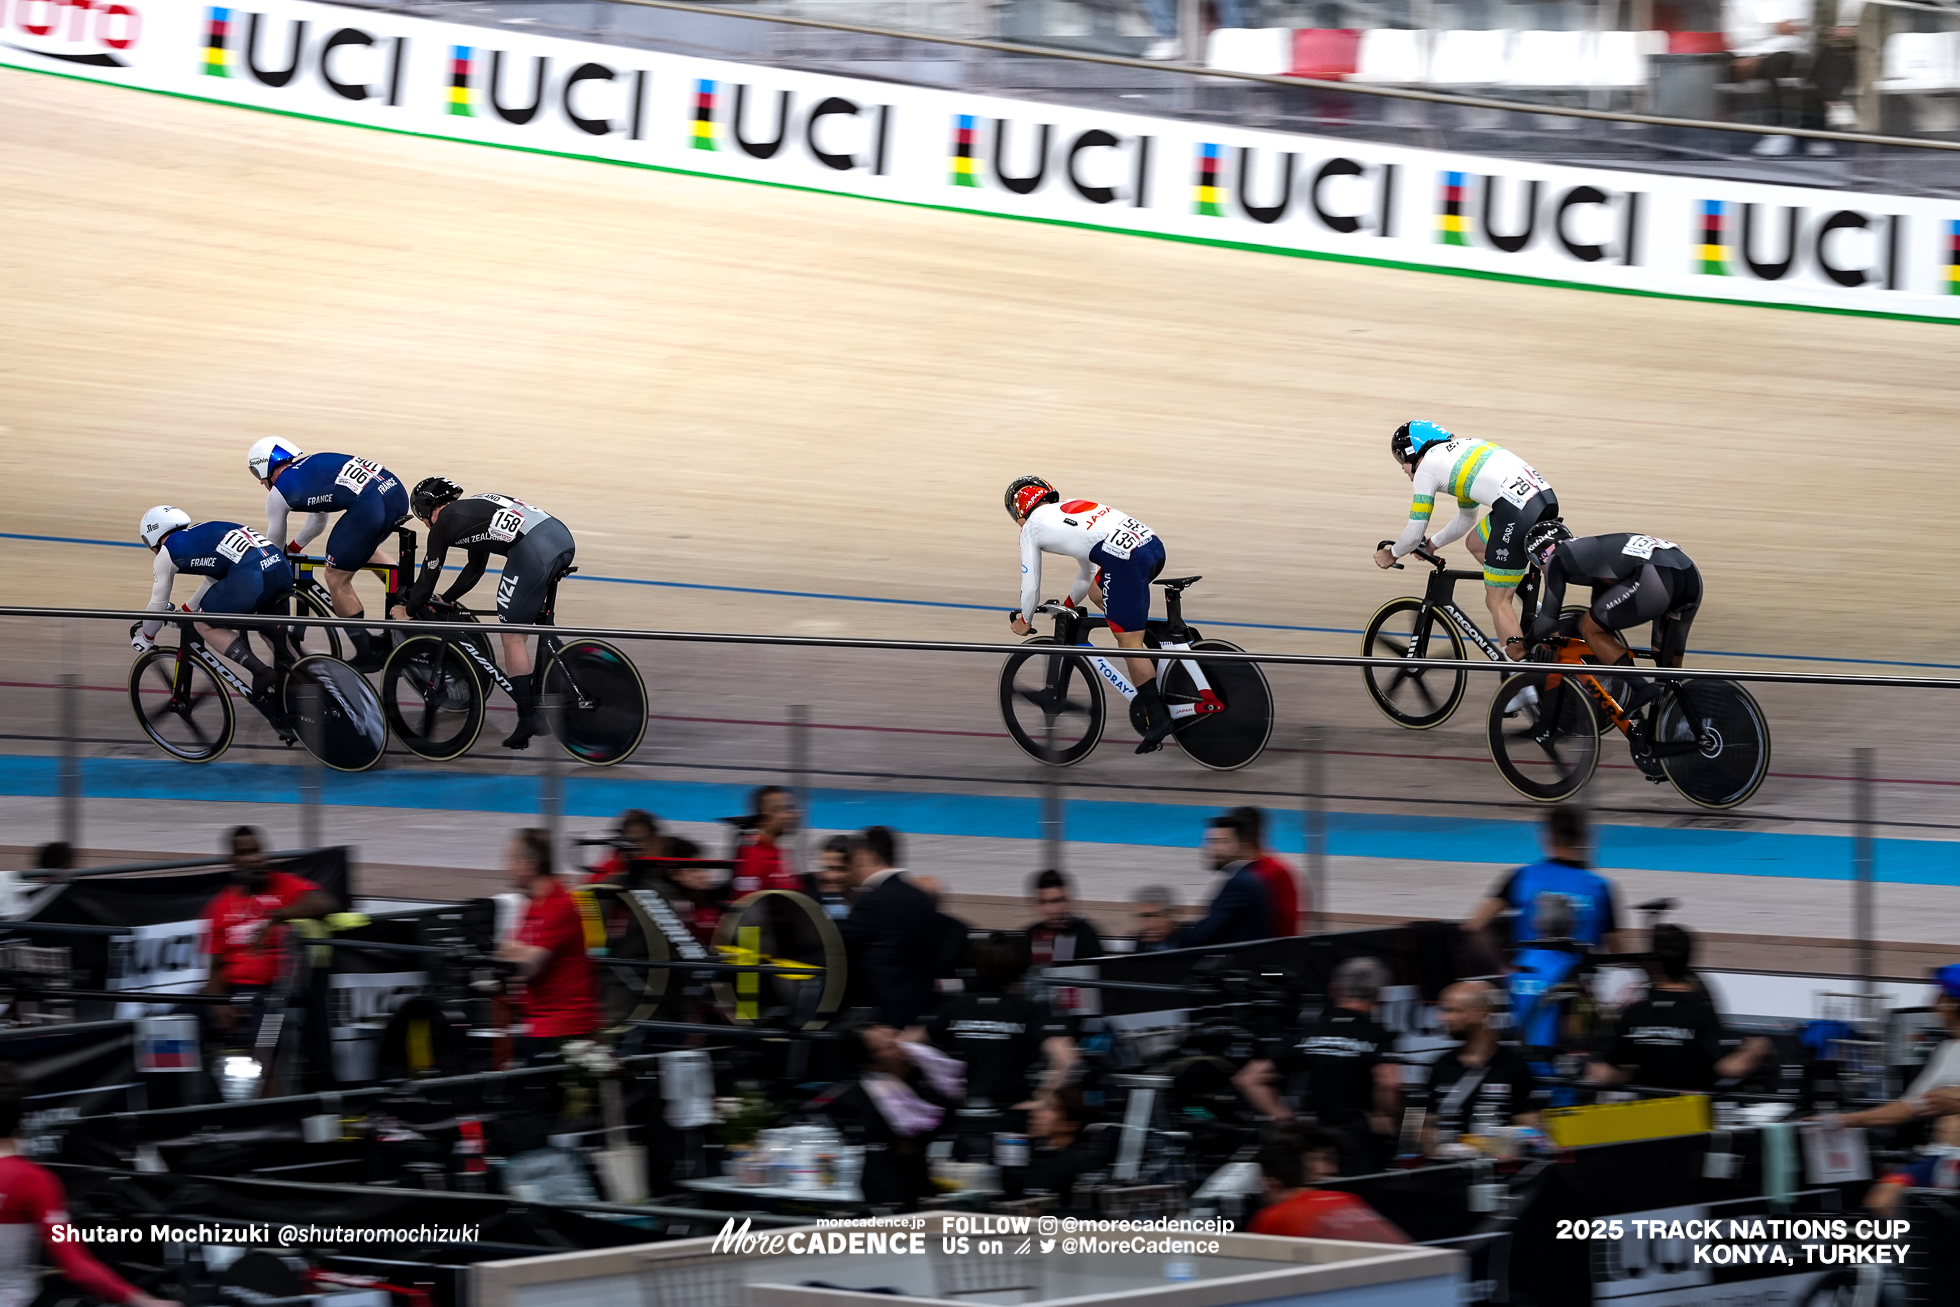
(1115, 679)
(88, 32)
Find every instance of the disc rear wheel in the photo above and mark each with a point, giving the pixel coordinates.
(1231, 738)
(337, 713)
(602, 702)
(1712, 741)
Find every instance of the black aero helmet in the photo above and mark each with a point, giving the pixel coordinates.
(1543, 536)
(1025, 494)
(431, 493)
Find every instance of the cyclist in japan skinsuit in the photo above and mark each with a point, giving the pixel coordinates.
(241, 572)
(1477, 473)
(537, 550)
(1117, 557)
(371, 502)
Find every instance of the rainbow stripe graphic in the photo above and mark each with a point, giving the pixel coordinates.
(1452, 228)
(704, 116)
(963, 151)
(459, 81)
(1952, 257)
(1714, 240)
(1204, 191)
(217, 59)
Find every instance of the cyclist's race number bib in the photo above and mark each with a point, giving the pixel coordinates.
(241, 542)
(1523, 486)
(1644, 546)
(513, 519)
(355, 474)
(1126, 537)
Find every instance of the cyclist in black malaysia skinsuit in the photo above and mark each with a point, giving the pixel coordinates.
(537, 550)
(1634, 579)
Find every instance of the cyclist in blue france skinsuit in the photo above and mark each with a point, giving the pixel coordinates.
(241, 571)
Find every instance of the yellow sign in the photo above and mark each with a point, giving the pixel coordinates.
(1623, 1123)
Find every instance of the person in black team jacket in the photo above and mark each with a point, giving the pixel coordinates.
(1673, 1039)
(537, 549)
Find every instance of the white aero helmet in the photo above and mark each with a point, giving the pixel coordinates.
(160, 521)
(269, 453)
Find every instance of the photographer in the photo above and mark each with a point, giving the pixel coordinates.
(1352, 1085)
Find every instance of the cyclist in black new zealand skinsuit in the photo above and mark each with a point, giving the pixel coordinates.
(537, 549)
(1634, 579)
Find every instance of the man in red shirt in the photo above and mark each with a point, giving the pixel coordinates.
(1295, 1160)
(246, 936)
(1282, 888)
(560, 998)
(759, 863)
(32, 1206)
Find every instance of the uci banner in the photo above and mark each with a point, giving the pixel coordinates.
(1588, 227)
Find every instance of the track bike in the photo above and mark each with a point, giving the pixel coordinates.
(312, 599)
(1053, 703)
(182, 697)
(1706, 737)
(1430, 627)
(433, 688)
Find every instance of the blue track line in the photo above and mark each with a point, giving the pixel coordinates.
(1096, 821)
(1002, 608)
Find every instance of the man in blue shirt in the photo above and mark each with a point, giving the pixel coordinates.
(1563, 873)
(1241, 910)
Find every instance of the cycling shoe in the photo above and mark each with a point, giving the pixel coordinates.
(528, 725)
(1642, 747)
(371, 661)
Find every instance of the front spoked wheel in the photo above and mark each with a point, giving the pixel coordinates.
(432, 698)
(1544, 734)
(1038, 690)
(315, 639)
(1413, 697)
(1712, 741)
(337, 713)
(182, 706)
(1232, 737)
(603, 702)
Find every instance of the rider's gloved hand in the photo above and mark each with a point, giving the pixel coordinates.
(294, 547)
(1541, 653)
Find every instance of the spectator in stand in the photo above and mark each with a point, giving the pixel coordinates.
(560, 998)
(1353, 1084)
(246, 934)
(1672, 1038)
(833, 877)
(694, 892)
(1479, 1084)
(1153, 917)
(1282, 886)
(1771, 42)
(1240, 910)
(32, 1206)
(1935, 1092)
(892, 934)
(1059, 936)
(892, 1101)
(638, 837)
(1564, 872)
(759, 861)
(1293, 1161)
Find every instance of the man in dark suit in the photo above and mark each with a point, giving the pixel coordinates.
(1240, 910)
(891, 935)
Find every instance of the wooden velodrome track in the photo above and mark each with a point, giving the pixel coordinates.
(730, 385)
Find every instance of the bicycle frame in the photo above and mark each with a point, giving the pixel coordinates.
(1439, 595)
(1572, 652)
(1072, 627)
(393, 575)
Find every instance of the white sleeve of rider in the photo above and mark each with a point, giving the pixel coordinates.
(1083, 580)
(1466, 517)
(276, 512)
(162, 576)
(314, 524)
(1429, 479)
(1030, 571)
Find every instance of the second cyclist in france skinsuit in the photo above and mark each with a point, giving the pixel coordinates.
(537, 549)
(371, 502)
(1476, 474)
(241, 572)
(1117, 557)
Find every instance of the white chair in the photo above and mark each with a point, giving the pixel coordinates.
(1468, 58)
(1392, 55)
(1265, 50)
(1620, 58)
(1549, 60)
(1918, 61)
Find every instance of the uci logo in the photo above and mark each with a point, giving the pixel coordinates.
(72, 31)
